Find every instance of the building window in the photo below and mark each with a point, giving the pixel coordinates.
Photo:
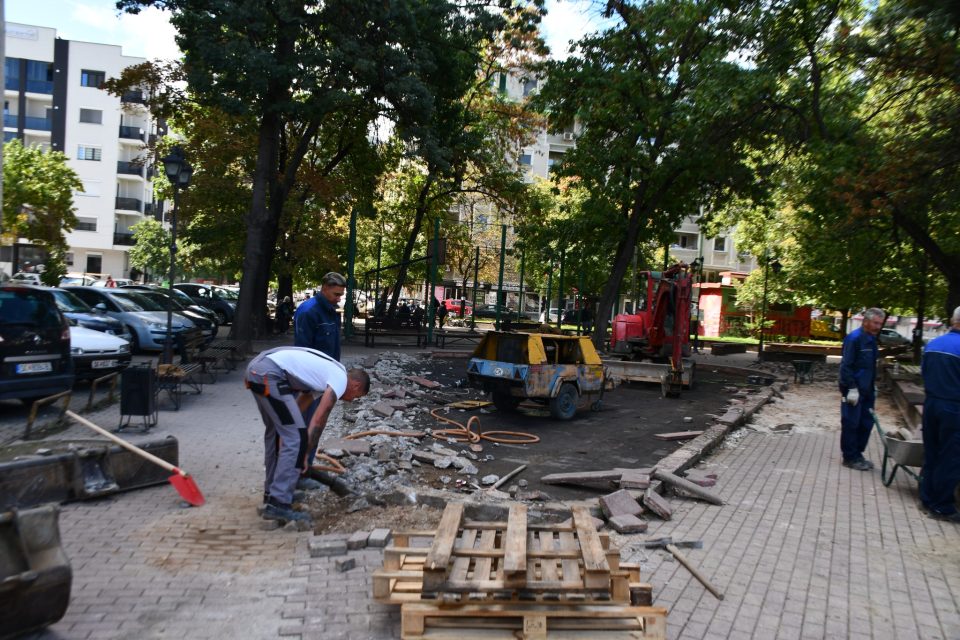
(91, 116)
(90, 78)
(68, 258)
(503, 83)
(529, 86)
(88, 153)
(39, 76)
(686, 241)
(526, 159)
(720, 244)
(86, 224)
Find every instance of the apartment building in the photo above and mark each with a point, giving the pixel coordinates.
(53, 99)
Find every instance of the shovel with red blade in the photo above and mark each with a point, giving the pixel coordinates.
(180, 479)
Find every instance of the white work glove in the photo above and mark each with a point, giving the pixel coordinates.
(853, 397)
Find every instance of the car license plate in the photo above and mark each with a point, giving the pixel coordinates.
(103, 364)
(35, 367)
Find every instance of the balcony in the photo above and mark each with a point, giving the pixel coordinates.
(10, 120)
(136, 97)
(154, 209)
(129, 204)
(124, 239)
(129, 168)
(132, 133)
(40, 86)
(37, 123)
(11, 83)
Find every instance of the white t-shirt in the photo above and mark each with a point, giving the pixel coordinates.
(312, 369)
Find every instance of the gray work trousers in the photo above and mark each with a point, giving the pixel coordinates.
(285, 434)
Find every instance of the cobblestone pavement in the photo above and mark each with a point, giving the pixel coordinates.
(803, 548)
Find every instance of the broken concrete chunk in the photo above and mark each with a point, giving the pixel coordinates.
(677, 435)
(628, 524)
(619, 503)
(658, 504)
(383, 409)
(489, 480)
(443, 463)
(423, 382)
(353, 447)
(468, 470)
(634, 479)
(425, 456)
(345, 564)
(786, 426)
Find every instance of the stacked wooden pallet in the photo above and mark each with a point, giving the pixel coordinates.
(515, 580)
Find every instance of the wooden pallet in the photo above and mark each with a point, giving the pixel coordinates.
(422, 621)
(512, 561)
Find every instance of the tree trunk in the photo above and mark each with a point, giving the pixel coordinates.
(249, 319)
(844, 317)
(419, 215)
(621, 262)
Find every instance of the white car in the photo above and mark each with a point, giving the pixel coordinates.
(890, 338)
(96, 353)
(26, 278)
(554, 316)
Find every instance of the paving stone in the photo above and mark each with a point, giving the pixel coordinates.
(321, 546)
(620, 503)
(658, 504)
(627, 524)
(384, 409)
(358, 540)
(379, 538)
(633, 479)
(423, 382)
(345, 564)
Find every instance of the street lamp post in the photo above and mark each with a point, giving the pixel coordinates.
(767, 265)
(178, 172)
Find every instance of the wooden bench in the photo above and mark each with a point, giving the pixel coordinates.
(726, 348)
(173, 377)
(193, 349)
(236, 351)
(392, 328)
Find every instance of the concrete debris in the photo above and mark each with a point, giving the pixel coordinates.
(353, 447)
(383, 409)
(658, 504)
(522, 483)
(489, 480)
(627, 524)
(345, 564)
(441, 450)
(634, 479)
(780, 428)
(443, 463)
(468, 470)
(677, 435)
(445, 479)
(359, 504)
(423, 382)
(619, 503)
(538, 496)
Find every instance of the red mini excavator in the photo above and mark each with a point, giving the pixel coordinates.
(660, 328)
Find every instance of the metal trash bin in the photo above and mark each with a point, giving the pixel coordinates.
(138, 396)
(803, 371)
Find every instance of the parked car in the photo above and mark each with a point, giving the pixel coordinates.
(490, 311)
(221, 301)
(890, 338)
(96, 353)
(79, 313)
(26, 278)
(453, 307)
(191, 309)
(34, 344)
(77, 279)
(117, 282)
(145, 319)
(207, 326)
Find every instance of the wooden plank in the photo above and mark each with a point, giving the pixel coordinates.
(514, 564)
(570, 566)
(548, 563)
(436, 565)
(461, 563)
(481, 569)
(677, 435)
(596, 570)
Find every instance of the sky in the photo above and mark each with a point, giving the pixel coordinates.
(149, 34)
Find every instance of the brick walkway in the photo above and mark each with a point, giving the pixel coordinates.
(804, 548)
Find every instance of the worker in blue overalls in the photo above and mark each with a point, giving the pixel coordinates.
(858, 375)
(941, 423)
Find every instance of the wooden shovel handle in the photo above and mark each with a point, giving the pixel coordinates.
(682, 559)
(126, 445)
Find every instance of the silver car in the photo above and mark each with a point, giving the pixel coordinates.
(146, 319)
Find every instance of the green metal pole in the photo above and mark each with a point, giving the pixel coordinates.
(520, 300)
(376, 286)
(546, 318)
(503, 255)
(433, 278)
(580, 302)
(476, 275)
(351, 284)
(560, 290)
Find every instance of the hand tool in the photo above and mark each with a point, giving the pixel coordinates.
(671, 546)
(180, 479)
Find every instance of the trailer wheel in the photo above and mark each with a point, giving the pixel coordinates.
(564, 405)
(505, 402)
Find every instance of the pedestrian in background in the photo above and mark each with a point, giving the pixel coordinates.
(858, 375)
(941, 423)
(441, 314)
(316, 322)
(278, 379)
(283, 314)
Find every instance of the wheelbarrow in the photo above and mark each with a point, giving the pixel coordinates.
(899, 454)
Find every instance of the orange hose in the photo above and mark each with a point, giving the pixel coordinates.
(337, 468)
(377, 432)
(463, 433)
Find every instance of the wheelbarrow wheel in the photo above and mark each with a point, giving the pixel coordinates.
(564, 405)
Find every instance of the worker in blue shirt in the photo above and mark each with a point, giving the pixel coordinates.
(941, 423)
(858, 374)
(316, 322)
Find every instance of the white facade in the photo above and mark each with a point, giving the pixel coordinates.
(103, 137)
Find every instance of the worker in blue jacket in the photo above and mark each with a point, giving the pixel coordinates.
(941, 423)
(316, 323)
(858, 375)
